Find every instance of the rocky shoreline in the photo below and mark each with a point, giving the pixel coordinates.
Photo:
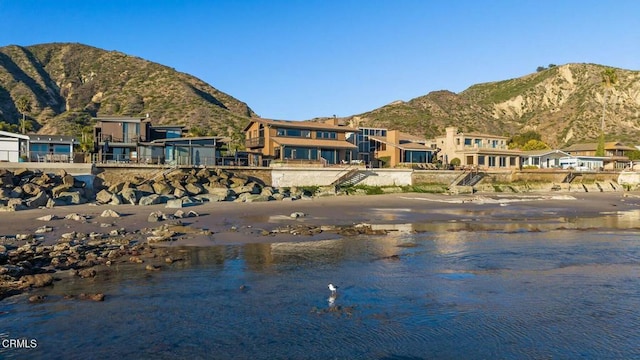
(27, 262)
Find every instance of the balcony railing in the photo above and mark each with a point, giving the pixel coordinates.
(254, 142)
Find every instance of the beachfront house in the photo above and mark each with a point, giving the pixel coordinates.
(615, 153)
(542, 159)
(116, 138)
(478, 151)
(393, 148)
(36, 148)
(309, 143)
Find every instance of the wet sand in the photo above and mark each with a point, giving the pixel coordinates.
(238, 223)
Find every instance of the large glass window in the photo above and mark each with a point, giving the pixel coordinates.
(503, 161)
(326, 135)
(300, 153)
(492, 161)
(412, 156)
(293, 132)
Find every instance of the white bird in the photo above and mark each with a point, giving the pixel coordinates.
(333, 288)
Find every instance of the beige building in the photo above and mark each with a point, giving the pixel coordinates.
(400, 149)
(473, 150)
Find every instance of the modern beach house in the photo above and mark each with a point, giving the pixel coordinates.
(310, 143)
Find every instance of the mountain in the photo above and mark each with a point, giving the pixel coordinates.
(66, 84)
(562, 103)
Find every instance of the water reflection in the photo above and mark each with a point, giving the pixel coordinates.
(439, 290)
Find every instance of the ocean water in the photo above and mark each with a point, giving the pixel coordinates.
(450, 291)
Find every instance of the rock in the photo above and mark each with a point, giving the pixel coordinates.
(92, 297)
(47, 218)
(24, 237)
(104, 196)
(162, 188)
(155, 216)
(76, 217)
(145, 188)
(38, 200)
(37, 298)
(152, 267)
(87, 273)
(297, 214)
(74, 197)
(174, 203)
(56, 191)
(247, 197)
(110, 213)
(178, 192)
(68, 180)
(152, 199)
(44, 229)
(130, 196)
(194, 188)
(37, 280)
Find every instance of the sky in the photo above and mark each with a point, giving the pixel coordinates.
(300, 59)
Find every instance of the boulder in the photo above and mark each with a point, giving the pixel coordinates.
(72, 197)
(104, 196)
(37, 280)
(152, 199)
(194, 188)
(41, 199)
(162, 188)
(130, 196)
(175, 203)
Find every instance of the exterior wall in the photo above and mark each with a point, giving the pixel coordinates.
(9, 149)
(287, 177)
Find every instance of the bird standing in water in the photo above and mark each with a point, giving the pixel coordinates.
(333, 288)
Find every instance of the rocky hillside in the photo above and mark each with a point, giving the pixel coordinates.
(67, 84)
(562, 103)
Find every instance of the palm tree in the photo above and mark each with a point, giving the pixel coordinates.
(609, 79)
(24, 106)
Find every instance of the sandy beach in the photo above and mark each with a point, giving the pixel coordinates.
(235, 223)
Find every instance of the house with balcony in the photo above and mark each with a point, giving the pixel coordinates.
(116, 138)
(298, 142)
(615, 153)
(475, 150)
(396, 149)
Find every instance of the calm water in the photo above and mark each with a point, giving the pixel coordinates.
(449, 294)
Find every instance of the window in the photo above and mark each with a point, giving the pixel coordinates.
(512, 161)
(467, 142)
(326, 135)
(480, 160)
(503, 161)
(492, 161)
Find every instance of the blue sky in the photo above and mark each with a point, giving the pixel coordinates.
(300, 59)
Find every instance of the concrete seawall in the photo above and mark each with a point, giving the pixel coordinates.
(524, 180)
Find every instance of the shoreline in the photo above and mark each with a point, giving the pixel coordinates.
(92, 243)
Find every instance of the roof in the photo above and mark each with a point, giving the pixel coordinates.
(51, 139)
(307, 124)
(406, 145)
(168, 126)
(613, 145)
(480, 135)
(543, 152)
(10, 134)
(120, 119)
(195, 138)
(304, 142)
